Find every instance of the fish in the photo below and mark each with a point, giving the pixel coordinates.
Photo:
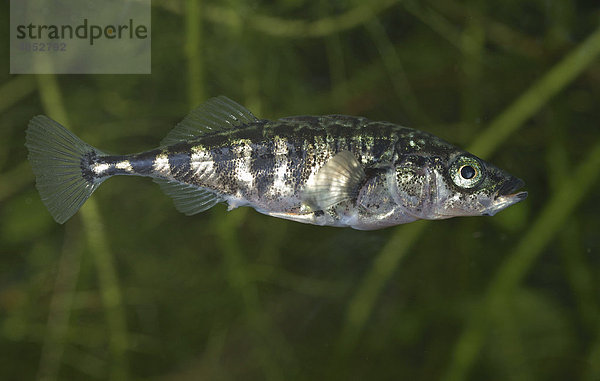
(332, 170)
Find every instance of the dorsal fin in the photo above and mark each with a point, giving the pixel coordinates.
(216, 114)
(338, 180)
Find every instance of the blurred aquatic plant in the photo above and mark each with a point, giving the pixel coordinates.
(110, 291)
(131, 289)
(498, 131)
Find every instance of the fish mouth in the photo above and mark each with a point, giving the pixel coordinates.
(507, 195)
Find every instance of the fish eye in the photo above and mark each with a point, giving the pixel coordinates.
(466, 172)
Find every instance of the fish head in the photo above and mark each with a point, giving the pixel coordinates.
(441, 181)
(465, 185)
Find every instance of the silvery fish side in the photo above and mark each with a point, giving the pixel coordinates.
(331, 170)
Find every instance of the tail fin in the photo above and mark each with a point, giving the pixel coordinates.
(58, 159)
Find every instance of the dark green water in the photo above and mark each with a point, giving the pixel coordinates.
(130, 289)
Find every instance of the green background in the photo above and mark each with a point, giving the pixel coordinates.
(130, 289)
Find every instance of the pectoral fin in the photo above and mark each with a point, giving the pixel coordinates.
(338, 180)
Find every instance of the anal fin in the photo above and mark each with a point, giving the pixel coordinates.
(338, 180)
(189, 199)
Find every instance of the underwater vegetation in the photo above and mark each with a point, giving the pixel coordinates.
(129, 288)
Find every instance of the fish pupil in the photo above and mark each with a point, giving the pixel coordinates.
(467, 172)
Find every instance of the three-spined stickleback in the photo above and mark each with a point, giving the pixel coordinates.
(333, 170)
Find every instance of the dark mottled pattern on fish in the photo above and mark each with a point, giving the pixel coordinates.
(267, 163)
